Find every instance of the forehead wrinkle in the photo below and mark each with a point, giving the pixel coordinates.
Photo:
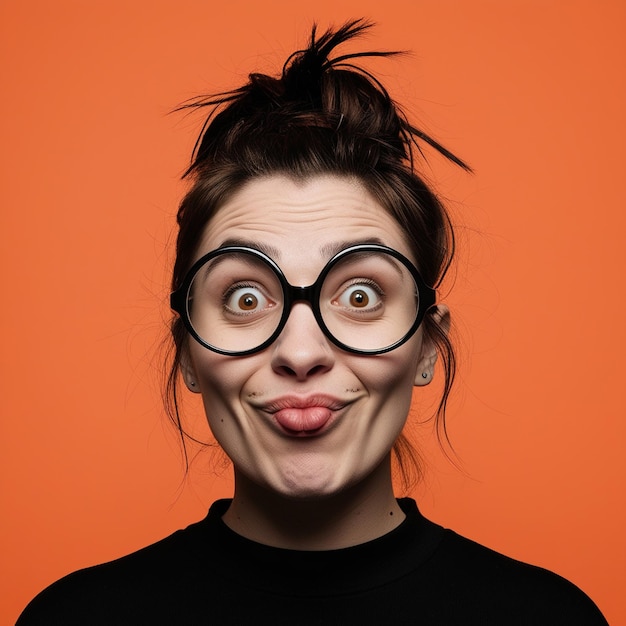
(313, 221)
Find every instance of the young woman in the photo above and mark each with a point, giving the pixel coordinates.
(308, 255)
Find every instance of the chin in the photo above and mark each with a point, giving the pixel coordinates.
(306, 488)
(311, 484)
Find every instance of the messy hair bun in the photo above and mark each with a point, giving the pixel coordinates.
(340, 107)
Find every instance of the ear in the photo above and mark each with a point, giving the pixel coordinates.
(188, 372)
(426, 365)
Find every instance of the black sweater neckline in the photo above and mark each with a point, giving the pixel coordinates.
(325, 572)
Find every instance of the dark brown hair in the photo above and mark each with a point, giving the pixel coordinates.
(322, 115)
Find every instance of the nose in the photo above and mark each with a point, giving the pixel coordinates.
(302, 350)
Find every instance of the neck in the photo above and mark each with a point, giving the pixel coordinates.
(356, 515)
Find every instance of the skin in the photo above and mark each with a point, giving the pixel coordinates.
(332, 488)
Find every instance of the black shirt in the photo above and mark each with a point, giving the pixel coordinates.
(419, 573)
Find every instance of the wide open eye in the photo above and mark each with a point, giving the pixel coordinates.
(360, 296)
(244, 299)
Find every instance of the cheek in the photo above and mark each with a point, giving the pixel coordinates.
(222, 380)
(394, 370)
(219, 377)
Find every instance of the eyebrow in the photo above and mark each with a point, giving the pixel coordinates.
(326, 251)
(331, 249)
(270, 251)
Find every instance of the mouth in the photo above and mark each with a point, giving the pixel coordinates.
(304, 416)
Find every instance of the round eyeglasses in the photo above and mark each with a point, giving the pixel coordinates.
(368, 299)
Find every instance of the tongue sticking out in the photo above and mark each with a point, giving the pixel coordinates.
(303, 420)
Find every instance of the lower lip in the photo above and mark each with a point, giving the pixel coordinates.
(304, 421)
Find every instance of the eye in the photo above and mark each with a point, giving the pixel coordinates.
(360, 296)
(245, 300)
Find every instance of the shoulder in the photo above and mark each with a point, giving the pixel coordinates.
(458, 580)
(140, 586)
(507, 589)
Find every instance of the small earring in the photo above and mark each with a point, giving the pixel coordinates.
(424, 374)
(192, 383)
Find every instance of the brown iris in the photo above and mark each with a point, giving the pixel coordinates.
(248, 302)
(359, 299)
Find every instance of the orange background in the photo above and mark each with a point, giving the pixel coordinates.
(530, 92)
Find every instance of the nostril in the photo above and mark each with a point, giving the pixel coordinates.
(290, 371)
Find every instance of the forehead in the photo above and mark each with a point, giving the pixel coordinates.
(302, 219)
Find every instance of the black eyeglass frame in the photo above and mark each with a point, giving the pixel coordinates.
(311, 294)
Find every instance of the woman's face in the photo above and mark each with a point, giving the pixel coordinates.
(303, 417)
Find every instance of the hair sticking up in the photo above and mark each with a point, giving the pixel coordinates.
(313, 91)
